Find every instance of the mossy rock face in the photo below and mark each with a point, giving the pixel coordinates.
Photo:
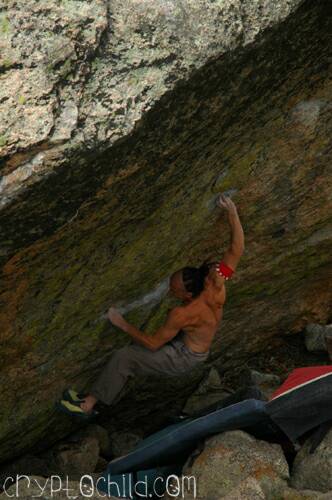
(103, 198)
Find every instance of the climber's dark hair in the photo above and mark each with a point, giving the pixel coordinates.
(193, 278)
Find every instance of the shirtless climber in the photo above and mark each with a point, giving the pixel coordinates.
(185, 338)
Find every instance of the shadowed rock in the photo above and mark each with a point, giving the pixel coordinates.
(314, 470)
(316, 337)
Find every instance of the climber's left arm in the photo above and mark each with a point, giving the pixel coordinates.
(164, 334)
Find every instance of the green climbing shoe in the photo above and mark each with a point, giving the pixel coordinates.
(75, 410)
(73, 396)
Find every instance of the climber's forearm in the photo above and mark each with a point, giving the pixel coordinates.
(118, 320)
(166, 332)
(237, 234)
(140, 337)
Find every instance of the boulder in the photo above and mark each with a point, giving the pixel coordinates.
(233, 461)
(315, 336)
(209, 391)
(26, 465)
(73, 459)
(267, 383)
(124, 442)
(93, 431)
(313, 470)
(293, 494)
(250, 489)
(328, 340)
(102, 465)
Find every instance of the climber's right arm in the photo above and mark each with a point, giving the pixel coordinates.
(164, 334)
(234, 252)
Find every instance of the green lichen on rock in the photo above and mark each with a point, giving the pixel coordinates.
(21, 100)
(6, 63)
(4, 24)
(3, 141)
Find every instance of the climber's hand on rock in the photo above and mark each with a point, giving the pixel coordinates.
(115, 317)
(227, 203)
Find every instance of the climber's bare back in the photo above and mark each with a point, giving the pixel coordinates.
(202, 316)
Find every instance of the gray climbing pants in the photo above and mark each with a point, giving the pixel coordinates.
(173, 358)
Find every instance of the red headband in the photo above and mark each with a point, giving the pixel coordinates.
(224, 271)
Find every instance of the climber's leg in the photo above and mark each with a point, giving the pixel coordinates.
(107, 386)
(114, 375)
(124, 362)
(132, 360)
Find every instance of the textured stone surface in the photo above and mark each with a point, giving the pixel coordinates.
(120, 122)
(314, 470)
(250, 489)
(92, 69)
(27, 465)
(96, 432)
(73, 459)
(267, 383)
(234, 461)
(315, 336)
(124, 442)
(70, 459)
(293, 494)
(209, 391)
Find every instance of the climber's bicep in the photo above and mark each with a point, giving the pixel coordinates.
(231, 259)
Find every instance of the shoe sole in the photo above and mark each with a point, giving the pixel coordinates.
(81, 416)
(66, 395)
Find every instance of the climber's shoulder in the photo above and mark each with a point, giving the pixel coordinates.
(176, 314)
(179, 315)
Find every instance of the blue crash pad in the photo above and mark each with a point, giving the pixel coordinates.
(166, 446)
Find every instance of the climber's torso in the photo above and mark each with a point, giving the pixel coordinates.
(201, 318)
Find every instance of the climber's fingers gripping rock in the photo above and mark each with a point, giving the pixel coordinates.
(115, 317)
(227, 203)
